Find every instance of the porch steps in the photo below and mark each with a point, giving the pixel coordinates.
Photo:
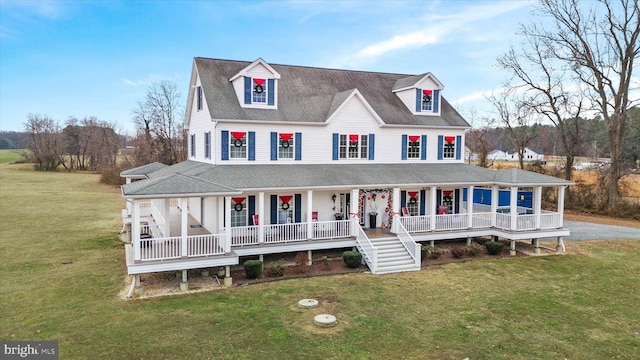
(392, 256)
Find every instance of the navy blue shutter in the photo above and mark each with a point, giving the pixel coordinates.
(403, 201)
(458, 147)
(251, 208)
(271, 92)
(438, 199)
(440, 143)
(336, 141)
(205, 145)
(274, 145)
(297, 205)
(298, 145)
(436, 100)
(404, 147)
(423, 201)
(247, 90)
(274, 209)
(372, 144)
(423, 151)
(252, 145)
(418, 100)
(456, 202)
(224, 145)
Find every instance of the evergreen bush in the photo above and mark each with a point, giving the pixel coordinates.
(352, 258)
(252, 268)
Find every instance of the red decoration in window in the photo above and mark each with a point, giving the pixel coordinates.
(412, 194)
(238, 135)
(286, 198)
(238, 200)
(427, 92)
(258, 82)
(450, 139)
(286, 137)
(447, 192)
(353, 138)
(414, 138)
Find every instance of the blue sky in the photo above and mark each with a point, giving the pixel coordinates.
(97, 58)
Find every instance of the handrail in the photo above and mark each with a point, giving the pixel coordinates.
(369, 251)
(407, 241)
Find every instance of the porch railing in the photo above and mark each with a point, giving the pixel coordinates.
(244, 235)
(160, 248)
(503, 221)
(549, 220)
(205, 245)
(368, 251)
(331, 229)
(415, 223)
(284, 233)
(412, 247)
(452, 222)
(481, 220)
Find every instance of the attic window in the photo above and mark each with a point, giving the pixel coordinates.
(427, 102)
(259, 91)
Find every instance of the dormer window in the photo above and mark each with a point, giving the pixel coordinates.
(427, 103)
(259, 91)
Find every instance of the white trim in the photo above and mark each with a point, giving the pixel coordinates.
(260, 61)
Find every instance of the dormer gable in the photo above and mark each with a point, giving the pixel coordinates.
(342, 99)
(420, 93)
(256, 85)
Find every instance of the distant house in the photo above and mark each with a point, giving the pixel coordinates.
(529, 154)
(289, 158)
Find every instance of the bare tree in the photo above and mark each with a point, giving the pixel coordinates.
(90, 144)
(599, 41)
(515, 114)
(160, 131)
(544, 80)
(44, 142)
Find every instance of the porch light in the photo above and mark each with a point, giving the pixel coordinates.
(333, 197)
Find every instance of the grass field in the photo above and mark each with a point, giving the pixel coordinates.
(62, 268)
(9, 156)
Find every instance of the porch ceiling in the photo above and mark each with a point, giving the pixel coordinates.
(196, 178)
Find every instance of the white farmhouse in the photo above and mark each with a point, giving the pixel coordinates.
(289, 158)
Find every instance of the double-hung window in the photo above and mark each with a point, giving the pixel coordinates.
(427, 100)
(259, 93)
(193, 145)
(199, 97)
(207, 145)
(238, 145)
(285, 146)
(238, 212)
(449, 147)
(413, 150)
(413, 204)
(354, 146)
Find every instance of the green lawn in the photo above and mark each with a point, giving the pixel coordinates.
(62, 268)
(9, 155)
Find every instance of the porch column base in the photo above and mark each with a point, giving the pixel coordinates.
(184, 285)
(432, 243)
(228, 281)
(512, 250)
(536, 246)
(560, 244)
(309, 257)
(138, 290)
(468, 240)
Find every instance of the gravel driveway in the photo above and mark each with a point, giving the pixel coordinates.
(590, 231)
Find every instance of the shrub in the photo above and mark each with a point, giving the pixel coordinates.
(111, 177)
(436, 253)
(494, 247)
(352, 258)
(275, 268)
(252, 268)
(474, 249)
(424, 252)
(458, 252)
(325, 263)
(301, 258)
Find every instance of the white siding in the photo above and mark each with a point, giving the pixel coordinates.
(258, 71)
(200, 123)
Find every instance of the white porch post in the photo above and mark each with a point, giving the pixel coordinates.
(184, 226)
(395, 209)
(227, 224)
(561, 206)
(537, 205)
(432, 204)
(261, 217)
(470, 205)
(513, 207)
(353, 211)
(494, 204)
(135, 229)
(309, 214)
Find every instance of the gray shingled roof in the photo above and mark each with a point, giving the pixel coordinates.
(142, 171)
(191, 177)
(307, 94)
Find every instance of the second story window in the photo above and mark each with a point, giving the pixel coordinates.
(193, 145)
(413, 151)
(285, 146)
(238, 145)
(353, 146)
(259, 91)
(199, 97)
(449, 149)
(207, 145)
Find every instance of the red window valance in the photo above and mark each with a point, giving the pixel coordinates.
(258, 81)
(447, 192)
(353, 138)
(285, 137)
(450, 139)
(286, 198)
(414, 138)
(238, 200)
(427, 92)
(412, 194)
(238, 135)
